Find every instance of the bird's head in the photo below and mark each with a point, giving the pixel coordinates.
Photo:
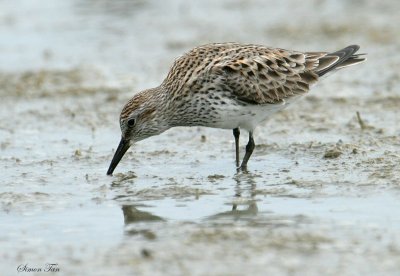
(141, 117)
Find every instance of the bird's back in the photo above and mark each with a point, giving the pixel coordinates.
(253, 74)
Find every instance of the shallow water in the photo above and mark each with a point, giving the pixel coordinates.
(321, 196)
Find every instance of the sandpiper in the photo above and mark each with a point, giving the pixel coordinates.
(229, 86)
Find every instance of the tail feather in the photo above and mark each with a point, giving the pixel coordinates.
(339, 59)
(353, 60)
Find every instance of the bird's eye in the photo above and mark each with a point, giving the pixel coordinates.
(131, 122)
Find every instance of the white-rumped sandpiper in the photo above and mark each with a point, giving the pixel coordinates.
(226, 85)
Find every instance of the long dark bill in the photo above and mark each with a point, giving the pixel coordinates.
(122, 148)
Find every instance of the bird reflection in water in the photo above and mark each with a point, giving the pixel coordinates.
(245, 191)
(133, 215)
(244, 205)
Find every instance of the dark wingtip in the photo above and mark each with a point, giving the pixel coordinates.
(354, 47)
(344, 54)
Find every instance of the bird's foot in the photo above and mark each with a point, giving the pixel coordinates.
(242, 168)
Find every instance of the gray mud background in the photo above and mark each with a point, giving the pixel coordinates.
(322, 196)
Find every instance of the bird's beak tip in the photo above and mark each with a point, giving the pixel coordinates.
(119, 153)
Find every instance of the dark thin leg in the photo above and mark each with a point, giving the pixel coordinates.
(236, 134)
(249, 150)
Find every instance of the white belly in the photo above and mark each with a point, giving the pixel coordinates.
(249, 116)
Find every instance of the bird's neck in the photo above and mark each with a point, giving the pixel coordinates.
(172, 108)
(160, 102)
(167, 108)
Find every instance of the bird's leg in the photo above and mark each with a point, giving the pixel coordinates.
(249, 150)
(236, 134)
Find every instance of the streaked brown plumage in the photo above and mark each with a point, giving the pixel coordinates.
(226, 85)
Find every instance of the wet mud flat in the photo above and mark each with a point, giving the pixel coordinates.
(321, 196)
(322, 188)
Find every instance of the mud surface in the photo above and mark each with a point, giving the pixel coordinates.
(322, 196)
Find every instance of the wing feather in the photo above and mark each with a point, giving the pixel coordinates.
(272, 74)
